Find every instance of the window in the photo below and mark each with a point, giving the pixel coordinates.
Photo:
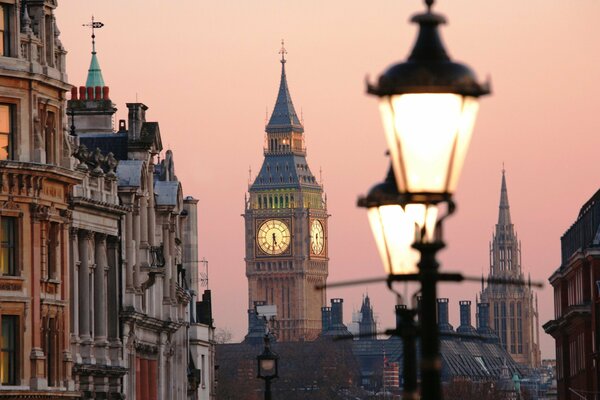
(8, 246)
(9, 355)
(4, 31)
(6, 130)
(53, 249)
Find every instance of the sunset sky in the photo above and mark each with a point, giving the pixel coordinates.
(209, 71)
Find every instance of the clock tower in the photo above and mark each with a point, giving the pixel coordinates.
(286, 227)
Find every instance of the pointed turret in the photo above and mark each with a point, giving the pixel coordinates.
(284, 117)
(94, 77)
(504, 212)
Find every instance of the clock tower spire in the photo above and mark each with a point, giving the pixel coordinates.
(286, 226)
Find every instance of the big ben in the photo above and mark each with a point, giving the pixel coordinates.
(286, 227)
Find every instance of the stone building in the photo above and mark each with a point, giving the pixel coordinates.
(154, 314)
(286, 227)
(35, 185)
(513, 313)
(576, 324)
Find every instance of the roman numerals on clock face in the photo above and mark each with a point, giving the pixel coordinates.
(273, 237)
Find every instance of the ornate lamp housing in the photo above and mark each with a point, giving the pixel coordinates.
(428, 105)
(267, 363)
(396, 225)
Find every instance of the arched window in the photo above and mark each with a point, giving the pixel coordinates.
(259, 202)
(276, 202)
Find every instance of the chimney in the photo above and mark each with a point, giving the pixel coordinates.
(137, 116)
(90, 93)
(337, 312)
(325, 319)
(465, 317)
(73, 93)
(204, 309)
(442, 309)
(483, 317)
(98, 90)
(81, 92)
(105, 91)
(398, 318)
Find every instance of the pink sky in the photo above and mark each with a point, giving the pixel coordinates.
(208, 70)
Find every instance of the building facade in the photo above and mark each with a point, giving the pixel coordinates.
(286, 227)
(35, 185)
(576, 324)
(513, 313)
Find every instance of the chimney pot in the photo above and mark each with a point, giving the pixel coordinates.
(73, 93)
(81, 92)
(98, 93)
(90, 93)
(105, 93)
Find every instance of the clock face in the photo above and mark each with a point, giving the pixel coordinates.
(273, 237)
(317, 239)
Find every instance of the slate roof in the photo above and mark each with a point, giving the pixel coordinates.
(129, 173)
(166, 192)
(284, 171)
(115, 143)
(284, 117)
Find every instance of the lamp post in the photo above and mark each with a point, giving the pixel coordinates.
(267, 366)
(428, 106)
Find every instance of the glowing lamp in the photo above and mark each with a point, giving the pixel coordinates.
(397, 226)
(428, 105)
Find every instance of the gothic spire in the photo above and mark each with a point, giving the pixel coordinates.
(504, 212)
(284, 117)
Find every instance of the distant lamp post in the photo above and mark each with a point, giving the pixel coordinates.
(428, 105)
(267, 366)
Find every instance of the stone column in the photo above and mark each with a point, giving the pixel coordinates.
(113, 288)
(144, 230)
(100, 303)
(137, 249)
(167, 254)
(74, 297)
(151, 211)
(85, 238)
(129, 251)
(38, 380)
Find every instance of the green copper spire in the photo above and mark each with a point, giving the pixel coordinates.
(94, 77)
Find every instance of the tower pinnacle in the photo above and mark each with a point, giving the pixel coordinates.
(284, 117)
(504, 211)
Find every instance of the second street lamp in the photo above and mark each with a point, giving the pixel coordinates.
(428, 106)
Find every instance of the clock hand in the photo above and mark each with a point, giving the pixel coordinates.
(274, 239)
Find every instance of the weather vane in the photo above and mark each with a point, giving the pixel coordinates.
(283, 51)
(94, 25)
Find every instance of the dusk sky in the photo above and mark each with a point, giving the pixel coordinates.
(209, 71)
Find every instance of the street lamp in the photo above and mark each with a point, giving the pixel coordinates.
(267, 366)
(428, 106)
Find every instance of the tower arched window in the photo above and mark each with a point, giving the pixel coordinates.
(276, 202)
(259, 202)
(287, 201)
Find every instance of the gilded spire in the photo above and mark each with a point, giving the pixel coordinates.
(284, 117)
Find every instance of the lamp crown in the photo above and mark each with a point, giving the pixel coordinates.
(428, 68)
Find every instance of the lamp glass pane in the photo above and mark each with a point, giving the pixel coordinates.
(425, 216)
(423, 130)
(465, 131)
(267, 365)
(394, 233)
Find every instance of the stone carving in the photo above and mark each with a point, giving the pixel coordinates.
(99, 162)
(10, 204)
